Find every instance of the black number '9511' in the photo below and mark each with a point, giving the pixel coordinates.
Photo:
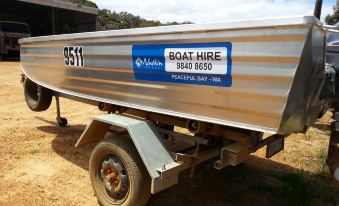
(74, 56)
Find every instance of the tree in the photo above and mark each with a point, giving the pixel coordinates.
(334, 18)
(83, 2)
(108, 20)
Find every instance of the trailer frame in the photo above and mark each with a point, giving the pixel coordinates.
(163, 165)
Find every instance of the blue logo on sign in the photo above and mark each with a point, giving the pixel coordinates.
(196, 63)
(148, 62)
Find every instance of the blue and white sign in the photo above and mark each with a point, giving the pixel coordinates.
(193, 63)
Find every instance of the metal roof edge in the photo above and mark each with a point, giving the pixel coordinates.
(63, 5)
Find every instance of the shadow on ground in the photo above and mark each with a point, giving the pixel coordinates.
(257, 182)
(64, 142)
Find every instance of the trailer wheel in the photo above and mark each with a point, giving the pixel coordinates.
(37, 97)
(118, 174)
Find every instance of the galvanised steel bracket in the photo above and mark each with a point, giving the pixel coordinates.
(147, 141)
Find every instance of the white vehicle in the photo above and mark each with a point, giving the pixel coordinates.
(10, 33)
(333, 46)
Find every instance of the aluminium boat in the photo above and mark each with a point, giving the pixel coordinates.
(264, 75)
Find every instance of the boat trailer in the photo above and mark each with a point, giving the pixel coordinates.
(216, 112)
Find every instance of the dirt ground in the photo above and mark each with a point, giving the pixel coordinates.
(40, 166)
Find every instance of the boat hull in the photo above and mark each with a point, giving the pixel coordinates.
(273, 86)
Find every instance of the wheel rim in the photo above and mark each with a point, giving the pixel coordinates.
(114, 178)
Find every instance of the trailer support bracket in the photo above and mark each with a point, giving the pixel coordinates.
(147, 141)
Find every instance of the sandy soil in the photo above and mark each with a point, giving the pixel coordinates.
(40, 166)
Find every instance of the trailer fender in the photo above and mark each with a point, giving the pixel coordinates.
(147, 141)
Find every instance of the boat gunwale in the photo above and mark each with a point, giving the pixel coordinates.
(301, 21)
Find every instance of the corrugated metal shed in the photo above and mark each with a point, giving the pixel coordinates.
(63, 5)
(46, 17)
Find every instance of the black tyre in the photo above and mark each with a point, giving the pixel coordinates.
(118, 174)
(37, 97)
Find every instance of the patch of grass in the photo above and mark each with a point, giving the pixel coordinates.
(23, 174)
(34, 151)
(307, 137)
(295, 191)
(322, 154)
(321, 157)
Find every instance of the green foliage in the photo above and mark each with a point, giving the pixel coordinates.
(108, 20)
(334, 18)
(83, 2)
(112, 20)
(34, 151)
